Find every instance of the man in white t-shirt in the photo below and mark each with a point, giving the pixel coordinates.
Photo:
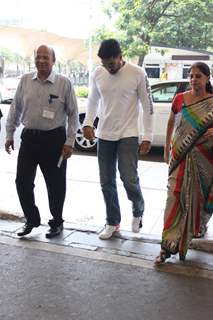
(117, 88)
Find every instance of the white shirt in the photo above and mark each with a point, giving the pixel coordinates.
(117, 99)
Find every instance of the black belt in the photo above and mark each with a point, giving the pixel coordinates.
(36, 132)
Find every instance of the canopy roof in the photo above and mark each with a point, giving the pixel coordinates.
(24, 41)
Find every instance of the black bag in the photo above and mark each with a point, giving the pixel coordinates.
(1, 114)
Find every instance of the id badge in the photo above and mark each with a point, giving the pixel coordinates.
(48, 113)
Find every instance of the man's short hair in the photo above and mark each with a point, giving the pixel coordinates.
(109, 48)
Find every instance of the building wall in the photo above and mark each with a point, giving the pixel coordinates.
(174, 62)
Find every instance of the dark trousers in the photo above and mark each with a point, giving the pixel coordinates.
(41, 148)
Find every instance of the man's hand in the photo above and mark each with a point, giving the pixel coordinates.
(67, 151)
(144, 147)
(9, 145)
(89, 133)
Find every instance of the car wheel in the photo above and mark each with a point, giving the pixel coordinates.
(81, 143)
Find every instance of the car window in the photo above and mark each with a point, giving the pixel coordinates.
(187, 86)
(164, 92)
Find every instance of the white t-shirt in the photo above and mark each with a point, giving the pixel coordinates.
(117, 99)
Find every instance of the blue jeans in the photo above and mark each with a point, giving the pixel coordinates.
(123, 152)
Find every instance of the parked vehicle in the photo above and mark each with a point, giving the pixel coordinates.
(82, 143)
(8, 88)
(162, 93)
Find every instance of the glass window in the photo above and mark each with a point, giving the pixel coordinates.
(164, 92)
(185, 71)
(187, 86)
(153, 71)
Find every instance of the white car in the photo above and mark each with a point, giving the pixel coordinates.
(162, 93)
(8, 88)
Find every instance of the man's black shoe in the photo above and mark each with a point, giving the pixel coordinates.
(27, 228)
(54, 231)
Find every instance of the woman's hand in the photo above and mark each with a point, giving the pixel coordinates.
(166, 153)
(208, 134)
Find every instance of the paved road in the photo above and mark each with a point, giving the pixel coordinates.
(47, 283)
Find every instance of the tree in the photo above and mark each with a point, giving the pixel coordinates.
(9, 57)
(189, 24)
(140, 23)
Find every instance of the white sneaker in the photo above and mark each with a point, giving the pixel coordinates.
(108, 231)
(136, 224)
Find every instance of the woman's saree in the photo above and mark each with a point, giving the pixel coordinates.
(189, 203)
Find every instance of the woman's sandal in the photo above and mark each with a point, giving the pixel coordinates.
(164, 254)
(201, 234)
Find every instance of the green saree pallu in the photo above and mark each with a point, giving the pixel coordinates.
(189, 203)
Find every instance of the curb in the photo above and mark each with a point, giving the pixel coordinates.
(10, 216)
(205, 245)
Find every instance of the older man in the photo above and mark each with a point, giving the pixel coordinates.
(45, 103)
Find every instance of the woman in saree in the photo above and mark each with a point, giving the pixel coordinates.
(189, 152)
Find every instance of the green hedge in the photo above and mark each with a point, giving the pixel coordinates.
(81, 91)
